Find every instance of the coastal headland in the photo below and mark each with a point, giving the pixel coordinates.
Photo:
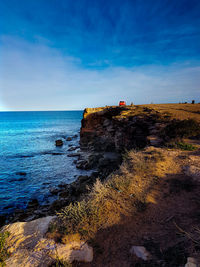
(138, 207)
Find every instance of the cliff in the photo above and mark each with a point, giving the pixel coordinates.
(123, 128)
(118, 128)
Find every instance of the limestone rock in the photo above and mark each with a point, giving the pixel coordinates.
(29, 247)
(193, 171)
(78, 251)
(114, 129)
(140, 252)
(192, 262)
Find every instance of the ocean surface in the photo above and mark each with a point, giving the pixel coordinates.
(30, 163)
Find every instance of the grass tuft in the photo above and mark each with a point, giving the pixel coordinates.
(181, 145)
(122, 194)
(3, 251)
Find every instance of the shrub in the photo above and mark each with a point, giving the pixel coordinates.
(181, 129)
(3, 251)
(186, 146)
(181, 145)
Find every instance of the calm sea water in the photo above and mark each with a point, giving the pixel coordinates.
(27, 144)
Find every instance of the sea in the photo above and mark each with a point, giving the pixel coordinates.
(30, 163)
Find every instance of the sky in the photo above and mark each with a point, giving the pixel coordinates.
(72, 54)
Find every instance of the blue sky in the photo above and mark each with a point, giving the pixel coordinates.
(61, 54)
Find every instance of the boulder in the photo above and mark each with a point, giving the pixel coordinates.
(193, 171)
(79, 251)
(28, 246)
(59, 142)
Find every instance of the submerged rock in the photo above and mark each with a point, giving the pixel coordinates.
(21, 173)
(59, 142)
(74, 155)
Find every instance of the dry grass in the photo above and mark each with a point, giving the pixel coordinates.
(120, 195)
(178, 111)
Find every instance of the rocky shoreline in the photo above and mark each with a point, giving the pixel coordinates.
(105, 135)
(159, 179)
(99, 164)
(67, 193)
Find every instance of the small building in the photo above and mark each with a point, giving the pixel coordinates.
(122, 103)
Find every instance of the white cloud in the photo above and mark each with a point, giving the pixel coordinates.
(37, 77)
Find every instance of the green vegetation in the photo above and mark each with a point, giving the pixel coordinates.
(181, 145)
(186, 146)
(3, 251)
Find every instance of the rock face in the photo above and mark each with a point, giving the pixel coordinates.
(116, 128)
(29, 247)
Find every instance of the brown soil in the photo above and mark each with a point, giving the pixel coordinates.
(169, 226)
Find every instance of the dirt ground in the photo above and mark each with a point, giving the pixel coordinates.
(168, 227)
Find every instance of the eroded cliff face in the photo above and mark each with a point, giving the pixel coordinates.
(118, 128)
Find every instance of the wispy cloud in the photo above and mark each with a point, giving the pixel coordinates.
(72, 54)
(41, 78)
(143, 32)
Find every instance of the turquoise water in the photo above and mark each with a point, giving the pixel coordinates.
(27, 144)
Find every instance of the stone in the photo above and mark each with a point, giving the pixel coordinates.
(193, 171)
(79, 251)
(59, 142)
(82, 164)
(140, 252)
(28, 246)
(192, 262)
(72, 148)
(54, 191)
(68, 139)
(33, 203)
